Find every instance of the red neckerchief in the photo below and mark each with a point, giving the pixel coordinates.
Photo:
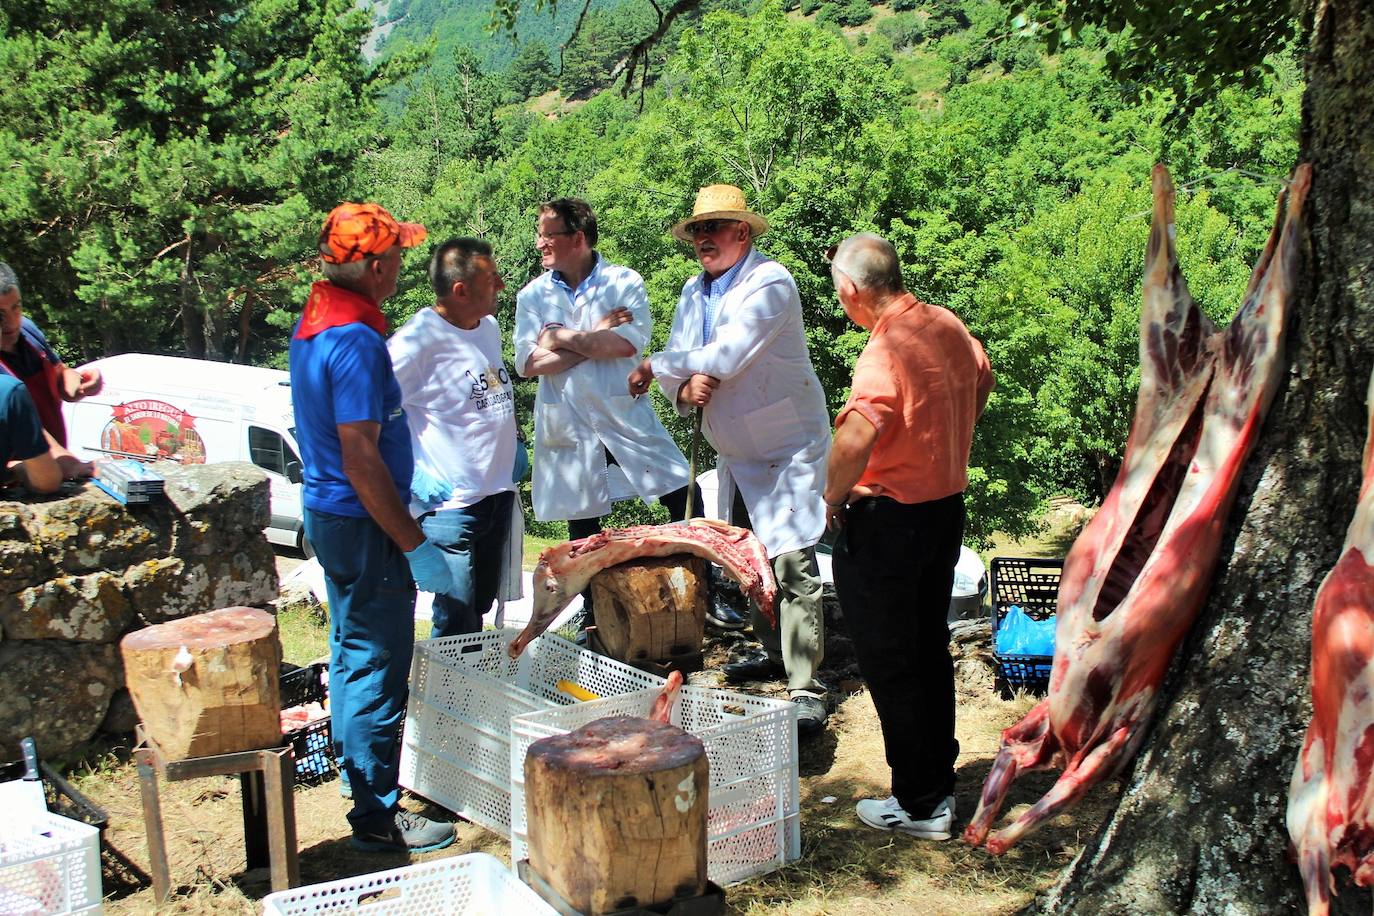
(331, 306)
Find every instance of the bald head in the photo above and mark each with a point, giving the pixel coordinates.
(871, 262)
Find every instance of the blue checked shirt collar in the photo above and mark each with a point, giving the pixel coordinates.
(714, 291)
(586, 281)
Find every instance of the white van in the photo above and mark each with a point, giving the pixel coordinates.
(195, 411)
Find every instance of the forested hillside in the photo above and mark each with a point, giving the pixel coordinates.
(178, 211)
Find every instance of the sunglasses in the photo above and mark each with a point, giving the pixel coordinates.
(829, 253)
(710, 226)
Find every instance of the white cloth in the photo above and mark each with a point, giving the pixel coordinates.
(460, 403)
(579, 411)
(767, 421)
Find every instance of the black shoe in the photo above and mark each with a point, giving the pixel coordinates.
(407, 832)
(811, 715)
(754, 668)
(723, 617)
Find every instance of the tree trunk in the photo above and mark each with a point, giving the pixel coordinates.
(192, 319)
(651, 610)
(1200, 827)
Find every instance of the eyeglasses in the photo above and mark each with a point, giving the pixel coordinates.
(548, 236)
(709, 226)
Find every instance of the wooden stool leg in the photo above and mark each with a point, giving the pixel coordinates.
(152, 822)
(279, 776)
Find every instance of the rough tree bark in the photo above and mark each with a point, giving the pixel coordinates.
(1200, 826)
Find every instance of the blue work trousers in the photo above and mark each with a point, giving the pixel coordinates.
(371, 639)
(473, 540)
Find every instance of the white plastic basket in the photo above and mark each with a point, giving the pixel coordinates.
(49, 864)
(464, 691)
(754, 821)
(475, 883)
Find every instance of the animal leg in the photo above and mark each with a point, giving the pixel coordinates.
(1027, 745)
(1076, 779)
(1307, 817)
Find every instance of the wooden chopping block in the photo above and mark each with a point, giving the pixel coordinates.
(617, 814)
(651, 609)
(207, 684)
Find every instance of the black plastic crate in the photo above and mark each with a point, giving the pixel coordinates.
(313, 745)
(1032, 583)
(62, 797)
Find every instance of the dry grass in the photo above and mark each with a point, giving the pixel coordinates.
(845, 868)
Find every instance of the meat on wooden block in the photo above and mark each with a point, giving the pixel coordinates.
(207, 684)
(564, 570)
(651, 609)
(617, 814)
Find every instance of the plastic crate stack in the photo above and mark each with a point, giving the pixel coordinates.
(312, 745)
(49, 864)
(753, 824)
(475, 884)
(464, 691)
(1033, 584)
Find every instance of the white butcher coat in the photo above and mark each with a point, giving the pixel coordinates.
(579, 410)
(767, 421)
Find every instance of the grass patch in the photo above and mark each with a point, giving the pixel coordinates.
(304, 631)
(534, 545)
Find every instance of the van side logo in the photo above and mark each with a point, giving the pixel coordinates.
(150, 430)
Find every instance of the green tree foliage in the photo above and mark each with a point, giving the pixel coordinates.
(854, 13)
(1018, 196)
(165, 162)
(531, 73)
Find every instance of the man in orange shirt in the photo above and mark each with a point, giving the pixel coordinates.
(895, 495)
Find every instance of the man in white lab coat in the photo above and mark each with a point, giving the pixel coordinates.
(737, 351)
(580, 327)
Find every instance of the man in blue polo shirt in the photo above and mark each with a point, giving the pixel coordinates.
(23, 449)
(357, 463)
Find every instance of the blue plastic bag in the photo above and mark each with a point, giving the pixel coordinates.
(1019, 634)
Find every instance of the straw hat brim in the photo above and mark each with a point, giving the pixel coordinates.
(757, 224)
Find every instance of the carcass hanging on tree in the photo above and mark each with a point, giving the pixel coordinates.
(1136, 577)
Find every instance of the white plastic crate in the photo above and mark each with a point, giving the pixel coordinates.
(475, 883)
(49, 864)
(753, 824)
(464, 691)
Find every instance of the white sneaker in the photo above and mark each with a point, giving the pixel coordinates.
(887, 814)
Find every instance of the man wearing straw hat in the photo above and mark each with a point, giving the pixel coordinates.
(355, 449)
(737, 352)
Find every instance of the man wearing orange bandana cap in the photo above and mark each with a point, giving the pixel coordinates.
(355, 449)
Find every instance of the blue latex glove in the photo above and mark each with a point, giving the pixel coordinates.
(430, 568)
(522, 462)
(427, 490)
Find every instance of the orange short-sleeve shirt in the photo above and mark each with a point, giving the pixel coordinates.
(922, 381)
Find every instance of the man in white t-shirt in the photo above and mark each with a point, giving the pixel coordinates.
(460, 404)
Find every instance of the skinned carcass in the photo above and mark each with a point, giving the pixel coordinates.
(1138, 574)
(1331, 798)
(564, 570)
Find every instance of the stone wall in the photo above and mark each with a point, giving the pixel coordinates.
(78, 571)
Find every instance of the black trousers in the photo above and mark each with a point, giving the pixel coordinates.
(894, 570)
